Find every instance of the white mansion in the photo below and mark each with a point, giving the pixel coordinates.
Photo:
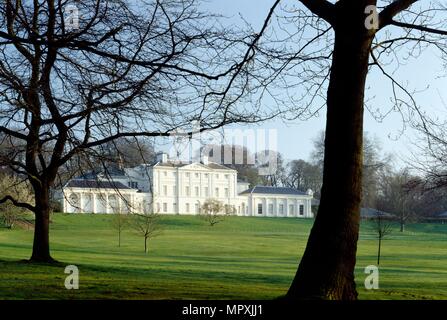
(169, 187)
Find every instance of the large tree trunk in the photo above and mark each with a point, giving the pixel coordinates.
(41, 244)
(326, 270)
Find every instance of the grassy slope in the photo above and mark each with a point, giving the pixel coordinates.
(241, 258)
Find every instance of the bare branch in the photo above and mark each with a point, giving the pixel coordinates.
(386, 15)
(17, 203)
(321, 8)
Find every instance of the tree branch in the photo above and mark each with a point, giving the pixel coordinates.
(17, 203)
(418, 27)
(321, 8)
(396, 7)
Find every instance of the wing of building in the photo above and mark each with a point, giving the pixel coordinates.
(170, 187)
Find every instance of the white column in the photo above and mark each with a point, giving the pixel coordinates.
(265, 206)
(94, 202)
(81, 202)
(106, 195)
(177, 190)
(235, 184)
(275, 207)
(309, 208)
(297, 209)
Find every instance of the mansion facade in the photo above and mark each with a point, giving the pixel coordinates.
(169, 187)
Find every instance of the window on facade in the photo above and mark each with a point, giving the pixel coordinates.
(187, 191)
(227, 194)
(291, 211)
(197, 191)
(270, 208)
(187, 207)
(206, 192)
(187, 174)
(217, 176)
(165, 173)
(216, 192)
(197, 175)
(301, 210)
(165, 190)
(197, 208)
(206, 175)
(174, 190)
(281, 209)
(227, 176)
(165, 207)
(259, 208)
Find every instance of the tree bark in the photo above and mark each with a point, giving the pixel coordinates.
(41, 244)
(326, 270)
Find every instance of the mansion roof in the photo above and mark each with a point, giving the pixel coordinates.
(274, 190)
(95, 184)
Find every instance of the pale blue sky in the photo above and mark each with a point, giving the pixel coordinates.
(295, 139)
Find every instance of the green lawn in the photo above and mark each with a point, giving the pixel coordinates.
(241, 258)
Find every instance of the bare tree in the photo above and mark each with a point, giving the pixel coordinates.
(213, 211)
(127, 152)
(119, 222)
(328, 52)
(400, 194)
(146, 225)
(303, 175)
(73, 79)
(429, 157)
(382, 228)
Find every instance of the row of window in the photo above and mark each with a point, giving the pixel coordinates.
(165, 209)
(281, 209)
(132, 184)
(205, 191)
(196, 175)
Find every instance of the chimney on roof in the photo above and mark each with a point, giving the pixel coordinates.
(205, 160)
(162, 157)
